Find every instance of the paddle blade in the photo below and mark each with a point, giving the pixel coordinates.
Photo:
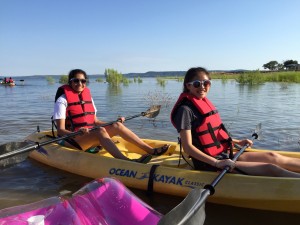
(257, 132)
(152, 112)
(11, 146)
(187, 212)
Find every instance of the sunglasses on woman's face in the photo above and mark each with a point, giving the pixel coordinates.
(76, 80)
(198, 83)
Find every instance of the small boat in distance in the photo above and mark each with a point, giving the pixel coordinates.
(7, 82)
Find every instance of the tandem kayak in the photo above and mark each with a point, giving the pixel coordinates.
(102, 201)
(163, 174)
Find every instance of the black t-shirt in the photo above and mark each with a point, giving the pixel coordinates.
(187, 117)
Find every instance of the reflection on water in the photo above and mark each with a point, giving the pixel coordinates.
(31, 181)
(113, 90)
(248, 88)
(242, 107)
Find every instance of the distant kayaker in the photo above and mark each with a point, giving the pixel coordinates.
(205, 139)
(10, 80)
(75, 110)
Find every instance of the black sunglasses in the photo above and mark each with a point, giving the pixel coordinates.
(198, 83)
(76, 80)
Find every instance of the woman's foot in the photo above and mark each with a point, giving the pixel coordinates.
(161, 150)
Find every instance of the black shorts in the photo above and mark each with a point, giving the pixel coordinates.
(199, 165)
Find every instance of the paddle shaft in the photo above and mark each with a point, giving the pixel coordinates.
(236, 156)
(209, 189)
(38, 145)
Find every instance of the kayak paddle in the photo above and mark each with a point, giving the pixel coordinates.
(191, 210)
(152, 112)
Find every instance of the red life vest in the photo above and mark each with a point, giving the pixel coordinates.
(80, 110)
(212, 135)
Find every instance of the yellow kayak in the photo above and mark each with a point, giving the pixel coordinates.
(258, 192)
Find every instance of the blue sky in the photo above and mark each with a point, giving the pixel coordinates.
(51, 37)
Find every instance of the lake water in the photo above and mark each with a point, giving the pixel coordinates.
(242, 107)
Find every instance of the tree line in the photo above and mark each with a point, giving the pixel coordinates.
(286, 65)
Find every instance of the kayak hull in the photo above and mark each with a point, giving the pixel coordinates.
(102, 201)
(258, 192)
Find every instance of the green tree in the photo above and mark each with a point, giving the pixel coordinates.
(280, 66)
(63, 79)
(272, 65)
(113, 77)
(50, 80)
(288, 63)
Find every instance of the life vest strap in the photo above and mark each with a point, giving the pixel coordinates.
(207, 131)
(79, 103)
(83, 124)
(213, 112)
(181, 155)
(71, 141)
(74, 143)
(213, 136)
(81, 114)
(213, 144)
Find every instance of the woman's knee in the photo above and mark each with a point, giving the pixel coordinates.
(273, 157)
(272, 169)
(118, 126)
(102, 131)
(267, 157)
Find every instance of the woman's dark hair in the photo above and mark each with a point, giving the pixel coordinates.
(73, 73)
(191, 73)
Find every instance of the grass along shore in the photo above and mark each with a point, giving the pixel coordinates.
(254, 77)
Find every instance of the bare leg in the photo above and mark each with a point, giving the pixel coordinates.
(128, 135)
(99, 137)
(265, 169)
(288, 163)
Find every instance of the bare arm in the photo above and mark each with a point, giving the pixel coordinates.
(243, 142)
(191, 150)
(61, 127)
(98, 122)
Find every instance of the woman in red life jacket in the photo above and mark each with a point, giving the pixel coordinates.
(205, 139)
(75, 110)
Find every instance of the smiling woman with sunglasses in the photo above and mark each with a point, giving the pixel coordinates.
(205, 139)
(75, 110)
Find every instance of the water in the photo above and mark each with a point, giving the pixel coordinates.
(242, 107)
